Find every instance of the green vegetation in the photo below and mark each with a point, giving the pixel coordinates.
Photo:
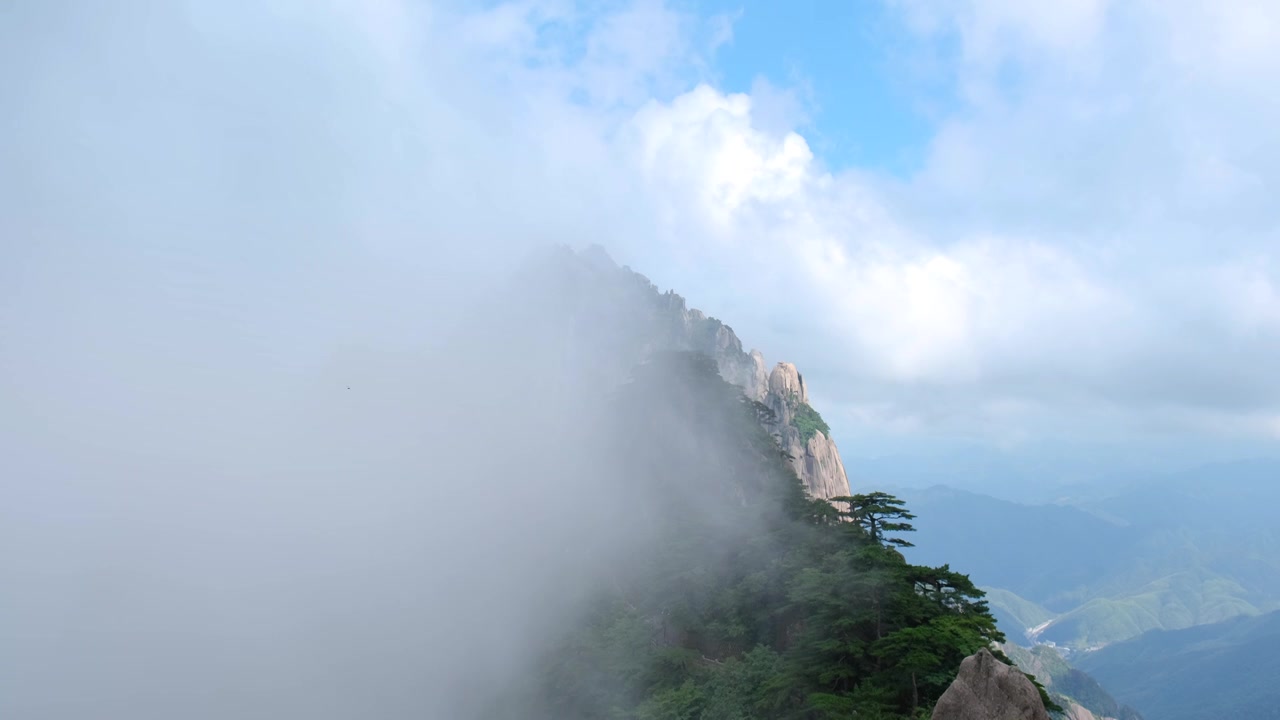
(1067, 685)
(1174, 602)
(753, 600)
(1016, 614)
(1223, 670)
(878, 513)
(1171, 564)
(807, 420)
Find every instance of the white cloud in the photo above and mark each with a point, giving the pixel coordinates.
(1228, 41)
(1095, 234)
(993, 29)
(1098, 233)
(704, 143)
(216, 218)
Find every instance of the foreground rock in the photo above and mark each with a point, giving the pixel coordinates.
(987, 689)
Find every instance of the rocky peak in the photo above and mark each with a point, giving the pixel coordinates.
(987, 689)
(759, 380)
(786, 381)
(637, 319)
(802, 433)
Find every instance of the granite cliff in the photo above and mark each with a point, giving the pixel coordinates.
(802, 433)
(634, 319)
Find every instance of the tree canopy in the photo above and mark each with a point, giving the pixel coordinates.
(877, 513)
(755, 600)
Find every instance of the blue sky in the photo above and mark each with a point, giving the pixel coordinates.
(864, 105)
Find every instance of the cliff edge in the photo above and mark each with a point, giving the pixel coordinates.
(624, 312)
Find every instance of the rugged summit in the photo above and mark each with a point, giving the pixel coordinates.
(987, 689)
(635, 320)
(803, 435)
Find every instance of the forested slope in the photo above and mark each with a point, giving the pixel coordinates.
(753, 600)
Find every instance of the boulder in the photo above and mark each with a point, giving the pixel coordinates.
(987, 689)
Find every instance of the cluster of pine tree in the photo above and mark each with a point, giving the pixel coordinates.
(753, 600)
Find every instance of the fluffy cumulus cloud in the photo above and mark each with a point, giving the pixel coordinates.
(1091, 235)
(1089, 244)
(1132, 139)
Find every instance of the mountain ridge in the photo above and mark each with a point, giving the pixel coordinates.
(1225, 669)
(673, 325)
(750, 596)
(1082, 576)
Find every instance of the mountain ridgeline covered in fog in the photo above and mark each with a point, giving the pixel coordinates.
(750, 595)
(569, 497)
(300, 419)
(624, 311)
(754, 600)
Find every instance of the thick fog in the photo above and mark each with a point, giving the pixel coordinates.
(280, 435)
(383, 536)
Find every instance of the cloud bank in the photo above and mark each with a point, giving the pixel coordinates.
(1090, 233)
(215, 218)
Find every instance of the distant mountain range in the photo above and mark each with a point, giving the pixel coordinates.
(1078, 693)
(1151, 590)
(1193, 549)
(1103, 564)
(1224, 670)
(736, 589)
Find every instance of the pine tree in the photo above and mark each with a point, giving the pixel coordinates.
(878, 513)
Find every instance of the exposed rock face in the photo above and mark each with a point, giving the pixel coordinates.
(624, 311)
(815, 459)
(823, 471)
(786, 382)
(987, 689)
(758, 382)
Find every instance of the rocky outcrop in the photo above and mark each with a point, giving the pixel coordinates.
(822, 470)
(797, 426)
(812, 451)
(623, 311)
(786, 382)
(987, 689)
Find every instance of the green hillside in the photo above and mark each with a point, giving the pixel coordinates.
(1066, 684)
(1015, 614)
(1162, 557)
(753, 601)
(1223, 670)
(1193, 597)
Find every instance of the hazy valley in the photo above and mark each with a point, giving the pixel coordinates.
(1141, 574)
